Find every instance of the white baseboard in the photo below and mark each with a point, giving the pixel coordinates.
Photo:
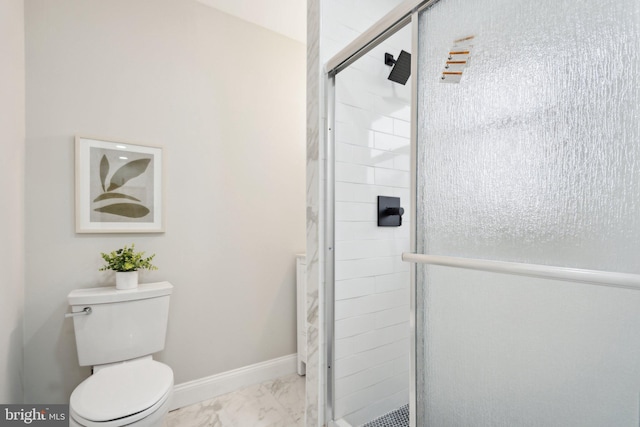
(195, 391)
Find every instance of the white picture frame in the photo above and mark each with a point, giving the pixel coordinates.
(118, 187)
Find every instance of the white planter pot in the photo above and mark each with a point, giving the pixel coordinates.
(126, 279)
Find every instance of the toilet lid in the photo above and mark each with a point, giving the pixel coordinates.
(121, 390)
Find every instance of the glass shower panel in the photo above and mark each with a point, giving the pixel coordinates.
(534, 156)
(528, 151)
(508, 351)
(371, 293)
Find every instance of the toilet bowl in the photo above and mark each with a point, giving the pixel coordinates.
(133, 393)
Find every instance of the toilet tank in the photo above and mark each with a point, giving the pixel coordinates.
(123, 324)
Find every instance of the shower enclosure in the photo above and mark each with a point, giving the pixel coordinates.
(515, 151)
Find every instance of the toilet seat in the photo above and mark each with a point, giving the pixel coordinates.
(161, 408)
(122, 394)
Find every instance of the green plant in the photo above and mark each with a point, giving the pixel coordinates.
(126, 259)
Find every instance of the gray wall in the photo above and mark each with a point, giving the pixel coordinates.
(12, 129)
(226, 101)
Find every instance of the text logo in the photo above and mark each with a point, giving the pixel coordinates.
(35, 415)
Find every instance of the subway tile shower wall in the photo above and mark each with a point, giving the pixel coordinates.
(372, 145)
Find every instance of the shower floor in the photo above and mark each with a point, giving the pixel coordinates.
(397, 418)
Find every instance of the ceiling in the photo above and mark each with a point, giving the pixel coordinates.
(287, 17)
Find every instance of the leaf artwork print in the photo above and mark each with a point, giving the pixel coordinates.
(127, 172)
(130, 210)
(120, 203)
(104, 170)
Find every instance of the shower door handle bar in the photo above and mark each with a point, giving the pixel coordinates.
(595, 277)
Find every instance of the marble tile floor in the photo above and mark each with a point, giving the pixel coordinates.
(275, 403)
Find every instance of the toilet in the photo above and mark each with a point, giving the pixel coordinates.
(116, 333)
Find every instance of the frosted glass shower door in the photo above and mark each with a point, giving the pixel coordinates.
(528, 151)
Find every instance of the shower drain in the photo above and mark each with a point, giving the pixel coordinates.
(397, 418)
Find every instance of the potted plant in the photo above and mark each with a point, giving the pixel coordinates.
(126, 263)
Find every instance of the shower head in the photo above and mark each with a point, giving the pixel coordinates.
(401, 67)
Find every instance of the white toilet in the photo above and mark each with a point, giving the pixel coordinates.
(116, 333)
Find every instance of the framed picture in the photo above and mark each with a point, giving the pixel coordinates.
(118, 187)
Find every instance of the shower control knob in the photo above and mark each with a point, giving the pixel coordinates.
(395, 211)
(389, 212)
